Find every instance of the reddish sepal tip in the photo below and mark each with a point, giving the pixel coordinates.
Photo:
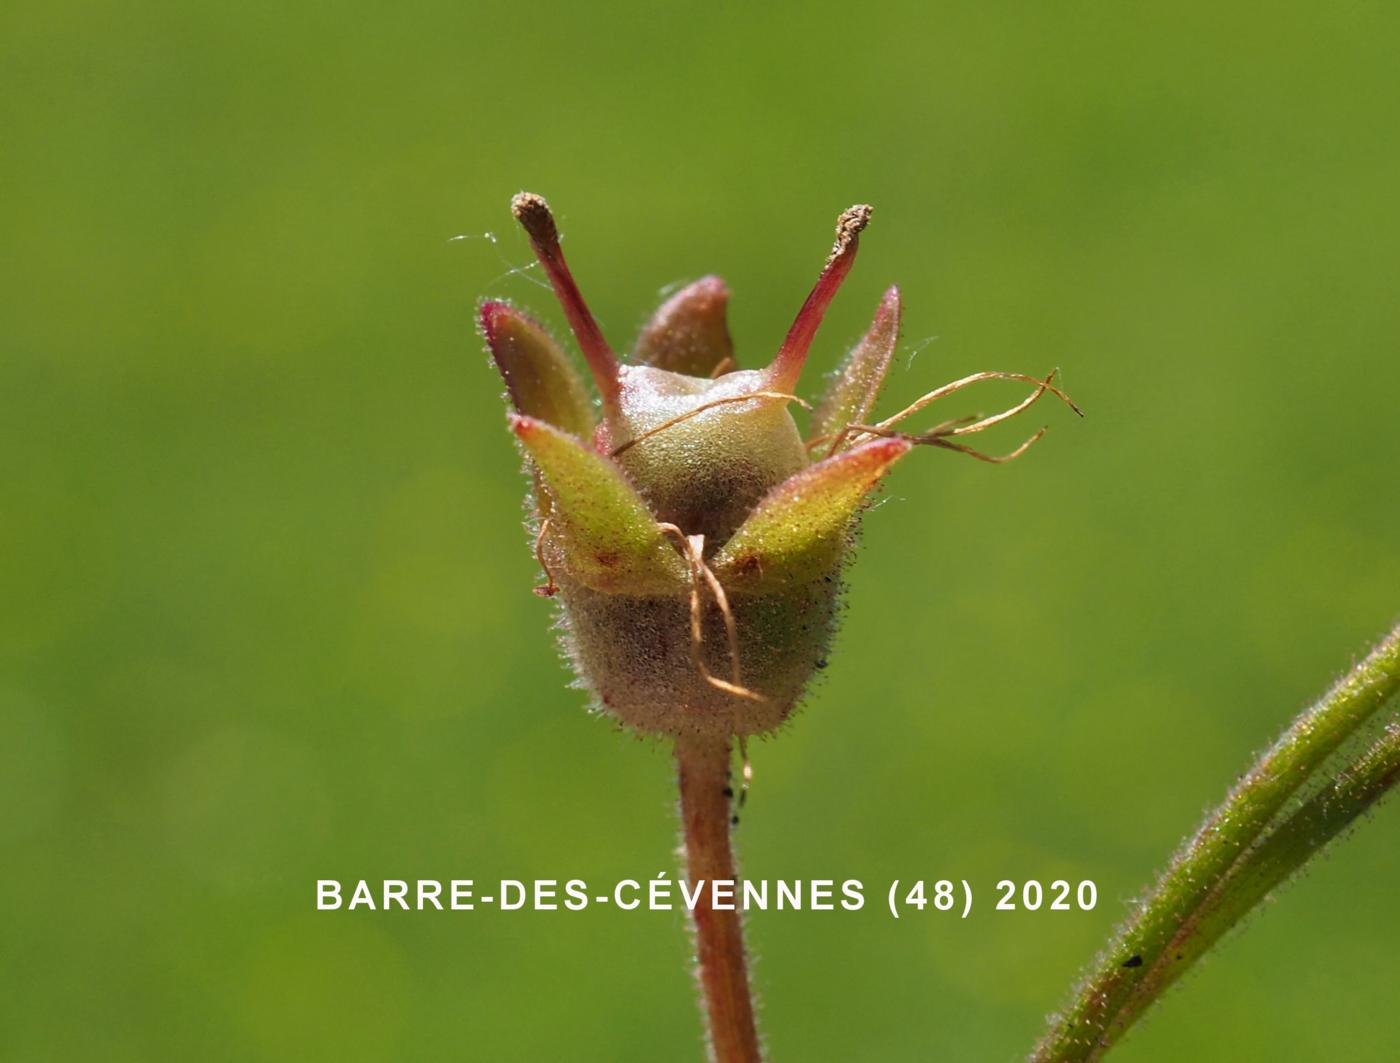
(489, 315)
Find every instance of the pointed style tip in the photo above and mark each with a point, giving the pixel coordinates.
(849, 226)
(787, 364)
(535, 217)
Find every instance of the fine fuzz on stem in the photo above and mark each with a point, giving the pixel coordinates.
(1280, 853)
(1241, 852)
(706, 796)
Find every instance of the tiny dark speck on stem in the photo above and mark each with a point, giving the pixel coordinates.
(1133, 961)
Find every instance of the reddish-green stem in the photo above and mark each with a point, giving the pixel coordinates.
(1246, 846)
(706, 799)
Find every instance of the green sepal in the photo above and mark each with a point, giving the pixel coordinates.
(688, 333)
(541, 381)
(851, 395)
(600, 531)
(799, 531)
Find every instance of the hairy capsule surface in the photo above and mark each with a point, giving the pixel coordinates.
(691, 533)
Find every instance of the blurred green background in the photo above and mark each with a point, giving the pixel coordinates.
(266, 597)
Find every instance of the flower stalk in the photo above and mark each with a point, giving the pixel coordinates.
(1245, 848)
(721, 963)
(694, 537)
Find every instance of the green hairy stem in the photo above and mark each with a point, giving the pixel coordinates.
(1245, 848)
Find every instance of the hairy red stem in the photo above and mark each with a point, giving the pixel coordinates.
(706, 798)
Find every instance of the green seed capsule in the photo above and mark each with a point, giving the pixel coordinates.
(694, 543)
